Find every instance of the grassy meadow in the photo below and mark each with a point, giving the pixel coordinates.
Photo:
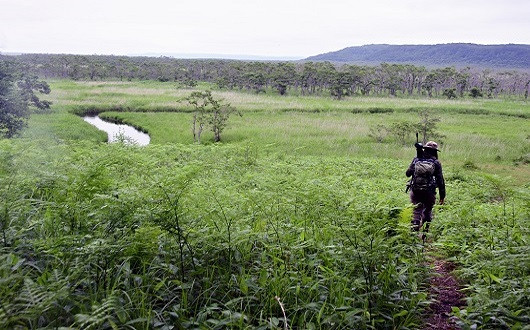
(490, 134)
(298, 219)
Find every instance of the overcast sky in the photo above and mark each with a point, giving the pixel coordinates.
(283, 28)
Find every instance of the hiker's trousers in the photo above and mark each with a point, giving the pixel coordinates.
(423, 203)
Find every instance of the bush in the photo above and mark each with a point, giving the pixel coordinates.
(402, 131)
(450, 93)
(475, 92)
(380, 110)
(470, 165)
(523, 160)
(378, 133)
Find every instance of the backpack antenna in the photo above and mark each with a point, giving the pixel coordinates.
(419, 147)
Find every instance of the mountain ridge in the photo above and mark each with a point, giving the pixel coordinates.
(460, 54)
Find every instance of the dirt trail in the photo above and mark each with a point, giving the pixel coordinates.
(445, 291)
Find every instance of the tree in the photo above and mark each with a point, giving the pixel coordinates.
(390, 77)
(185, 78)
(340, 85)
(27, 85)
(462, 78)
(199, 101)
(218, 117)
(209, 111)
(282, 76)
(18, 99)
(308, 77)
(367, 79)
(428, 125)
(256, 81)
(493, 84)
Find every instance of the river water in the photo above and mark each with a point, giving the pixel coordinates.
(119, 132)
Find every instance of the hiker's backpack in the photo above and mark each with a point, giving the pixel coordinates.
(423, 177)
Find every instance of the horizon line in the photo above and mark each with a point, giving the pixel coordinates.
(225, 56)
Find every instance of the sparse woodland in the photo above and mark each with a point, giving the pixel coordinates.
(300, 78)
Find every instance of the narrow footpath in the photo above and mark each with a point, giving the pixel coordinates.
(445, 291)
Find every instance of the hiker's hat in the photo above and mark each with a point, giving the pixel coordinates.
(431, 145)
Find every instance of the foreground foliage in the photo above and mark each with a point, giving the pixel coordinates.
(98, 236)
(486, 233)
(175, 236)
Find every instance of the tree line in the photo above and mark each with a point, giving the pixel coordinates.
(306, 78)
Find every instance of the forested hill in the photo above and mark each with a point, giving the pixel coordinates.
(494, 56)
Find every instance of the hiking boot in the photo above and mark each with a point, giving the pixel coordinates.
(416, 225)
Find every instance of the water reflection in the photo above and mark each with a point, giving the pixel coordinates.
(119, 132)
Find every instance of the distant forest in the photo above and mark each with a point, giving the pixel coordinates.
(460, 54)
(306, 78)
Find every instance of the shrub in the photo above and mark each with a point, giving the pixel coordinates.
(475, 92)
(378, 133)
(450, 93)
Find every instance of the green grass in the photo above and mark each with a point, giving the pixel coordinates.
(255, 228)
(61, 126)
(487, 132)
(297, 202)
(480, 139)
(209, 235)
(486, 235)
(158, 96)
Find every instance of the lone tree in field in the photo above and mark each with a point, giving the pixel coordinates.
(428, 126)
(199, 101)
(210, 112)
(18, 99)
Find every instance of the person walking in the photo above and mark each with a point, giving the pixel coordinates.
(426, 175)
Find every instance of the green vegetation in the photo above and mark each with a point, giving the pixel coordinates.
(487, 236)
(209, 113)
(203, 235)
(18, 99)
(347, 134)
(152, 96)
(294, 78)
(61, 127)
(298, 208)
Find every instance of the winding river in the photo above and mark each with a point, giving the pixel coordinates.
(119, 132)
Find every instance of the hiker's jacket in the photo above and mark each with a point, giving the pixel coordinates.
(438, 176)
